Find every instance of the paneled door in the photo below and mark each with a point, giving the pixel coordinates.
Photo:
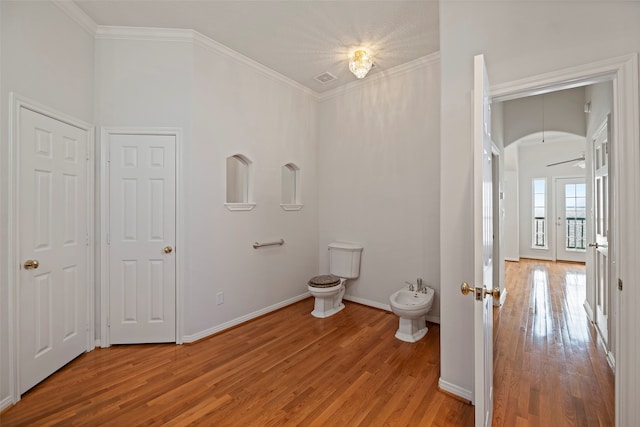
(141, 238)
(53, 243)
(483, 247)
(601, 225)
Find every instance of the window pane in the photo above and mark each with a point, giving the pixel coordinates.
(538, 185)
(539, 200)
(539, 212)
(581, 190)
(570, 190)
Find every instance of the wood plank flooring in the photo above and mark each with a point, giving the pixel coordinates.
(289, 368)
(286, 368)
(549, 367)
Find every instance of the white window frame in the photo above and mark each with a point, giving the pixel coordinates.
(545, 233)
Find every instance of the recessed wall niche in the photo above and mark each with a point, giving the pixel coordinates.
(239, 185)
(290, 188)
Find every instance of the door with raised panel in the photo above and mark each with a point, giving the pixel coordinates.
(141, 238)
(53, 243)
(601, 225)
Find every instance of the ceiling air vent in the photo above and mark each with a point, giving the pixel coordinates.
(325, 78)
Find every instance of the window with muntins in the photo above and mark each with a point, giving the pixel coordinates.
(539, 237)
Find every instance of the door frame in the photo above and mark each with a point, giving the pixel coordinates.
(105, 133)
(625, 199)
(16, 103)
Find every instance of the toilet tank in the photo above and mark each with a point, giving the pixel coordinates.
(344, 259)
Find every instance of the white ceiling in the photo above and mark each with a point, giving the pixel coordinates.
(297, 38)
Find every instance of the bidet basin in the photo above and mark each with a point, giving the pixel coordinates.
(411, 307)
(411, 298)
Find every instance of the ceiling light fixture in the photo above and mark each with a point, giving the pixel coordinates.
(360, 63)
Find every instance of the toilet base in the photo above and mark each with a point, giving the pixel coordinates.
(321, 314)
(412, 330)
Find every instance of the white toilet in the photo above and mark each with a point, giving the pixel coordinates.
(328, 290)
(412, 307)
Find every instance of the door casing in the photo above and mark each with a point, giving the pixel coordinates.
(104, 224)
(17, 102)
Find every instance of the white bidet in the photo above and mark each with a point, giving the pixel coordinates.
(411, 307)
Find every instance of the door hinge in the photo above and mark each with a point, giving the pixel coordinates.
(108, 322)
(108, 238)
(619, 284)
(86, 239)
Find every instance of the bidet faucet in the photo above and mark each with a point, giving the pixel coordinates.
(419, 285)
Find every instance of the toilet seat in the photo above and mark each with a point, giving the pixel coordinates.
(324, 281)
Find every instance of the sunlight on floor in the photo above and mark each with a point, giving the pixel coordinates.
(543, 323)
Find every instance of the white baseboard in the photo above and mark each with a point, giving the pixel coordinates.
(587, 308)
(386, 307)
(242, 319)
(5, 403)
(368, 302)
(455, 390)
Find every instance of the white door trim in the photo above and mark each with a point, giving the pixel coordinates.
(16, 103)
(105, 132)
(625, 203)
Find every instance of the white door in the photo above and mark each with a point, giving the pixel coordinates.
(601, 225)
(571, 221)
(483, 246)
(142, 230)
(53, 244)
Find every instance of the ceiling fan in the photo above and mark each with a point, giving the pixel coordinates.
(579, 161)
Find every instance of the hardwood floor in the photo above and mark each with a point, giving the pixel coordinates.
(286, 368)
(289, 368)
(549, 367)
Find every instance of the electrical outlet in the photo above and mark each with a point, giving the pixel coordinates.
(220, 298)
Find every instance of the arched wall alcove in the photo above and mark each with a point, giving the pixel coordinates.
(239, 183)
(290, 187)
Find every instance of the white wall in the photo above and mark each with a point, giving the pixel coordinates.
(378, 179)
(532, 162)
(224, 108)
(238, 109)
(511, 203)
(48, 58)
(503, 32)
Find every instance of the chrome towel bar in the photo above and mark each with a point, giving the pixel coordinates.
(257, 245)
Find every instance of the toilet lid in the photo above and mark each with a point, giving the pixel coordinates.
(324, 281)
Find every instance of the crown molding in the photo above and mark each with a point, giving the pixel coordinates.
(106, 32)
(423, 61)
(197, 39)
(210, 44)
(71, 9)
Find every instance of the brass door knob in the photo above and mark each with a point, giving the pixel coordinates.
(495, 292)
(168, 249)
(31, 264)
(593, 245)
(465, 288)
